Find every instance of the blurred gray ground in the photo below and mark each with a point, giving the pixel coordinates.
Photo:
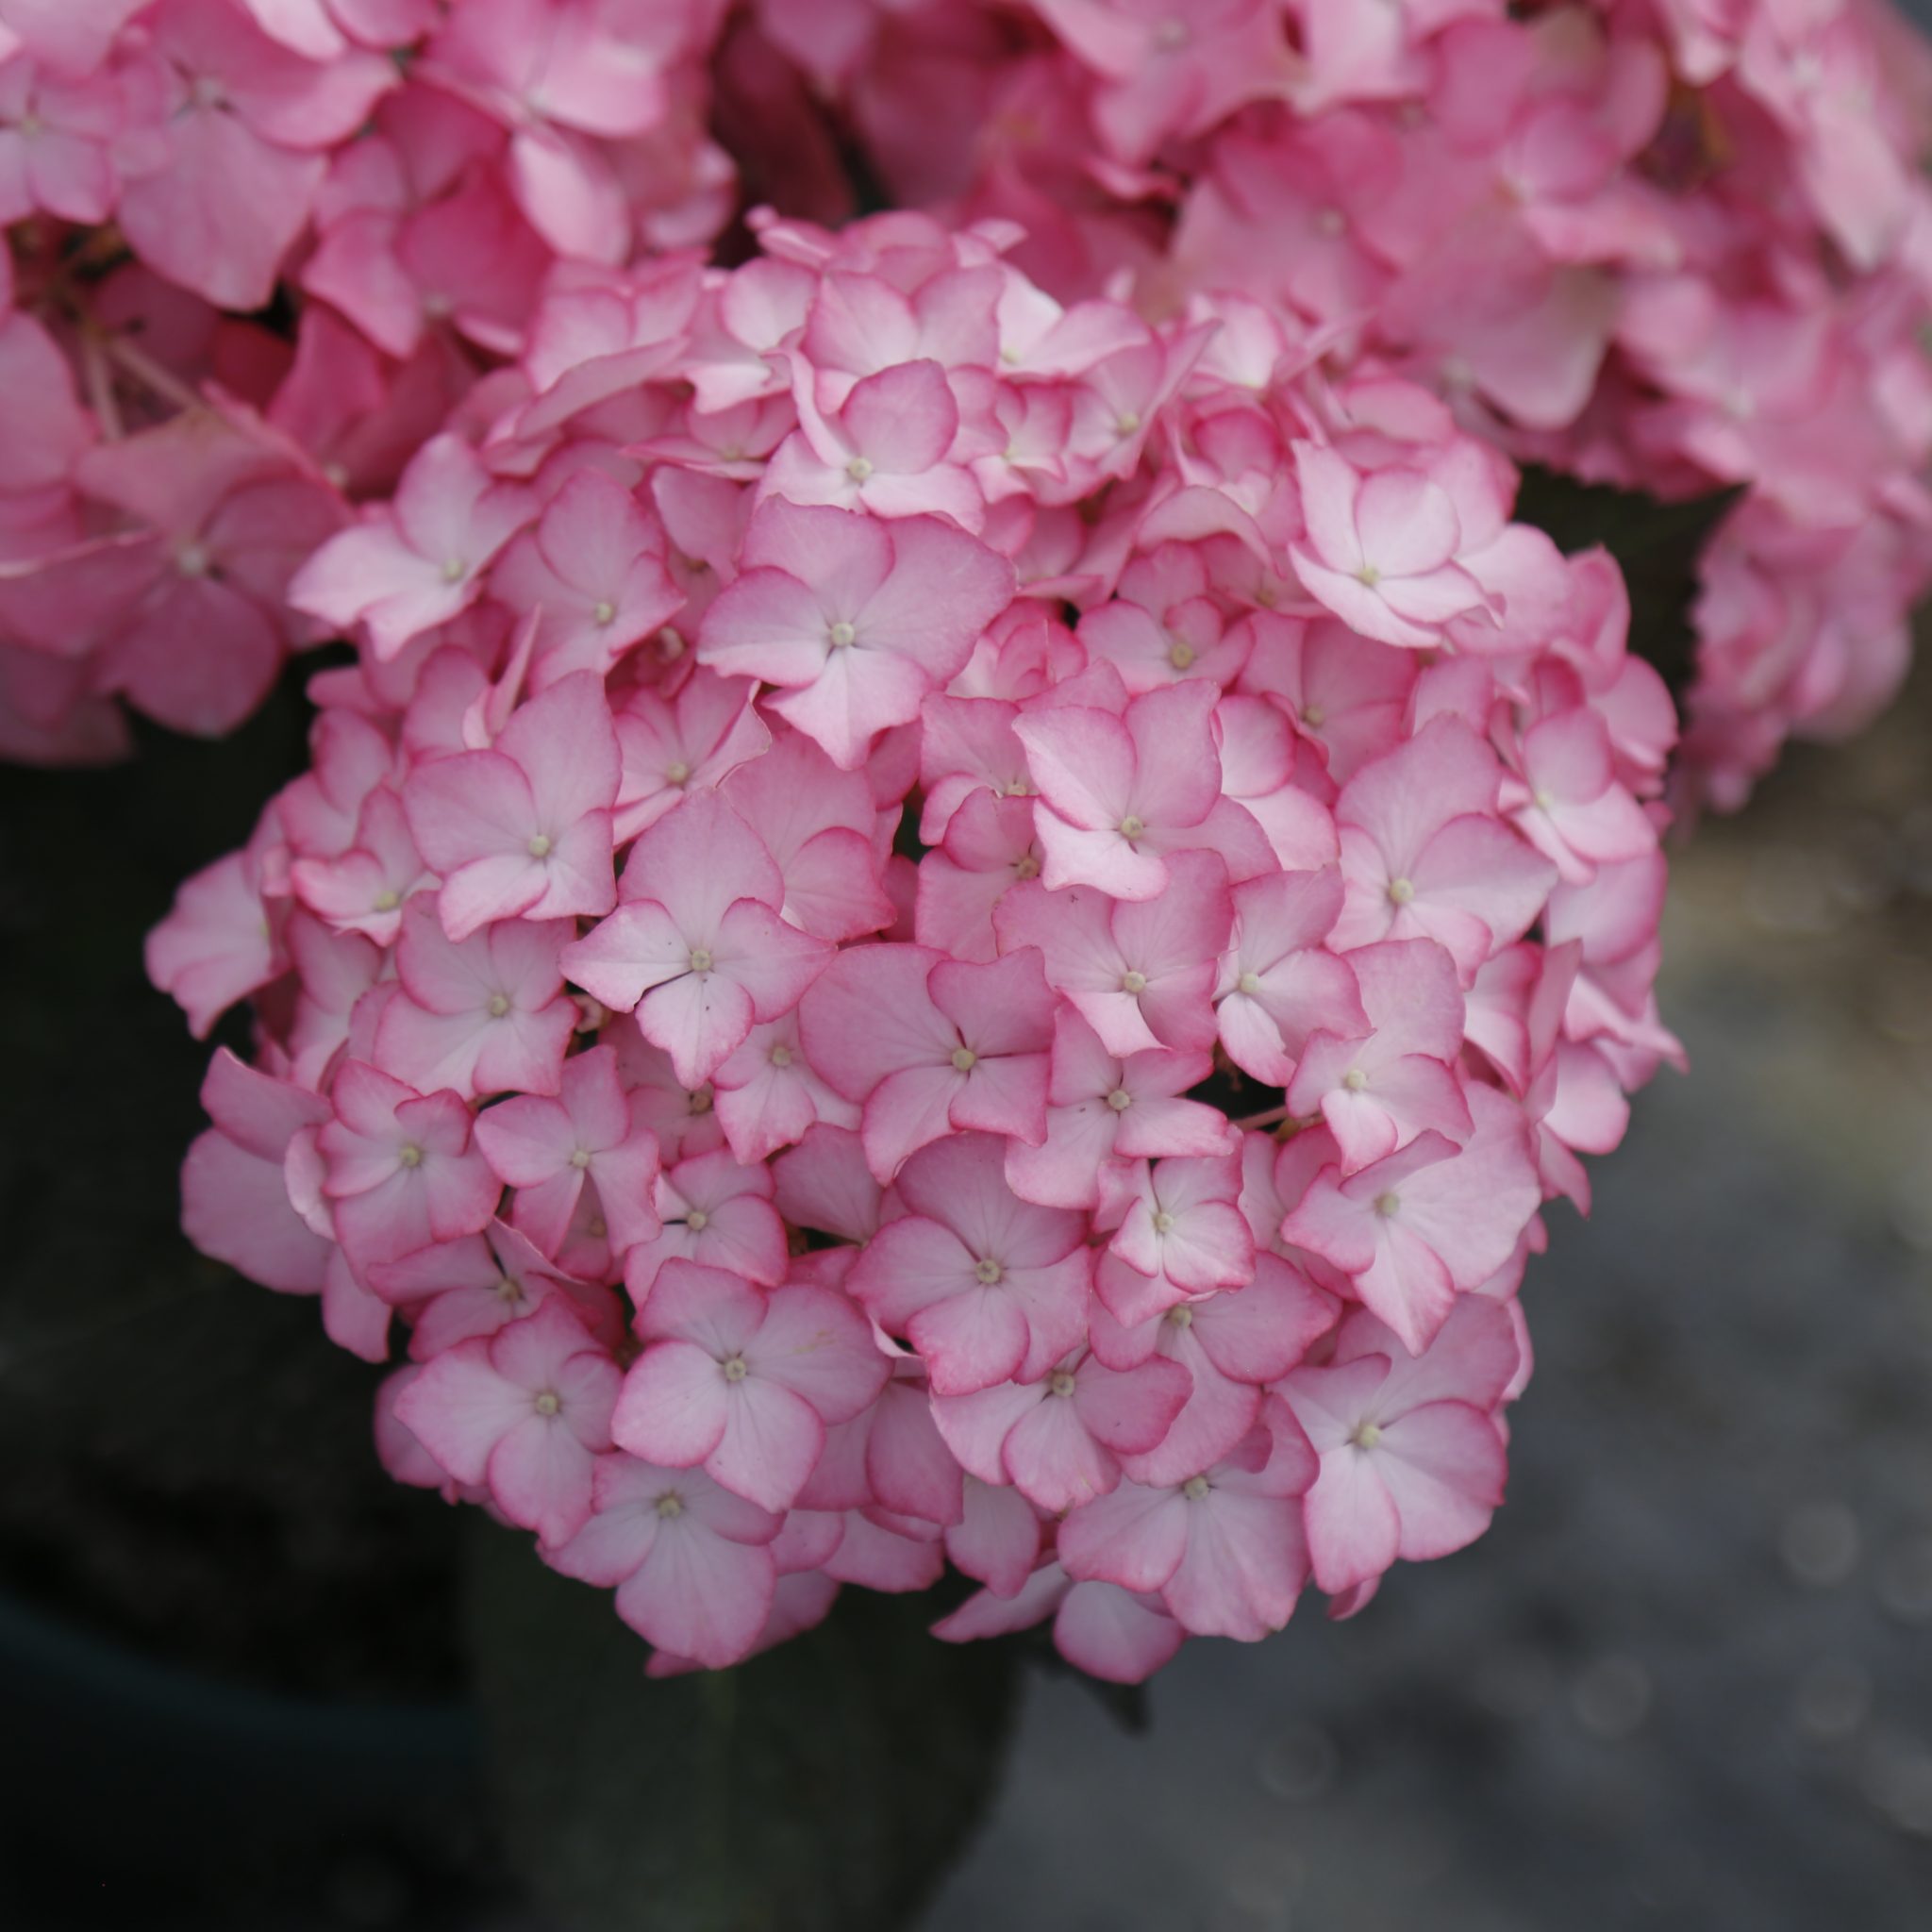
(1687, 1680)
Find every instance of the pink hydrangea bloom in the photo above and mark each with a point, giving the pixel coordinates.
(897, 869)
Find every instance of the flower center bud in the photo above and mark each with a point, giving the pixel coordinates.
(387, 900)
(842, 635)
(499, 1005)
(1401, 891)
(670, 1506)
(409, 1154)
(1127, 422)
(1163, 1221)
(547, 1404)
(1355, 1079)
(989, 1272)
(781, 1055)
(1026, 867)
(700, 959)
(1387, 1203)
(1132, 826)
(580, 1158)
(677, 773)
(604, 613)
(1543, 800)
(1180, 1316)
(454, 570)
(540, 845)
(735, 1370)
(700, 1100)
(1120, 1100)
(964, 1058)
(1314, 717)
(670, 643)
(1133, 980)
(192, 560)
(1180, 653)
(508, 1291)
(1366, 1436)
(1060, 1383)
(1249, 983)
(859, 469)
(1194, 1488)
(697, 1220)
(1368, 575)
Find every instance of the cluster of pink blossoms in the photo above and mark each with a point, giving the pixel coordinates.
(401, 176)
(937, 927)
(1676, 245)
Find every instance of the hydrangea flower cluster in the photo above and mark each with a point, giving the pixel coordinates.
(1676, 245)
(1671, 244)
(937, 927)
(179, 176)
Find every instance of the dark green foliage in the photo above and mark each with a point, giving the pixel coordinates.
(823, 1787)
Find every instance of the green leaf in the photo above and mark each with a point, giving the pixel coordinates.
(1657, 544)
(823, 1787)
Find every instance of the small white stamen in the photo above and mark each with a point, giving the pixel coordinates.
(1133, 826)
(781, 1055)
(1163, 1221)
(677, 773)
(1249, 983)
(1386, 1204)
(1368, 575)
(964, 1059)
(842, 635)
(580, 1158)
(604, 613)
(1133, 980)
(454, 570)
(1354, 1081)
(697, 1220)
(499, 1006)
(1180, 1316)
(1400, 892)
(1026, 866)
(1194, 1488)
(540, 845)
(1314, 717)
(547, 1404)
(1127, 423)
(700, 959)
(1366, 1436)
(700, 1100)
(1060, 1383)
(1180, 653)
(1120, 1100)
(670, 1506)
(989, 1272)
(387, 900)
(859, 469)
(409, 1154)
(735, 1370)
(192, 560)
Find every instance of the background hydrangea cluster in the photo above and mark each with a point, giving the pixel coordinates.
(969, 885)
